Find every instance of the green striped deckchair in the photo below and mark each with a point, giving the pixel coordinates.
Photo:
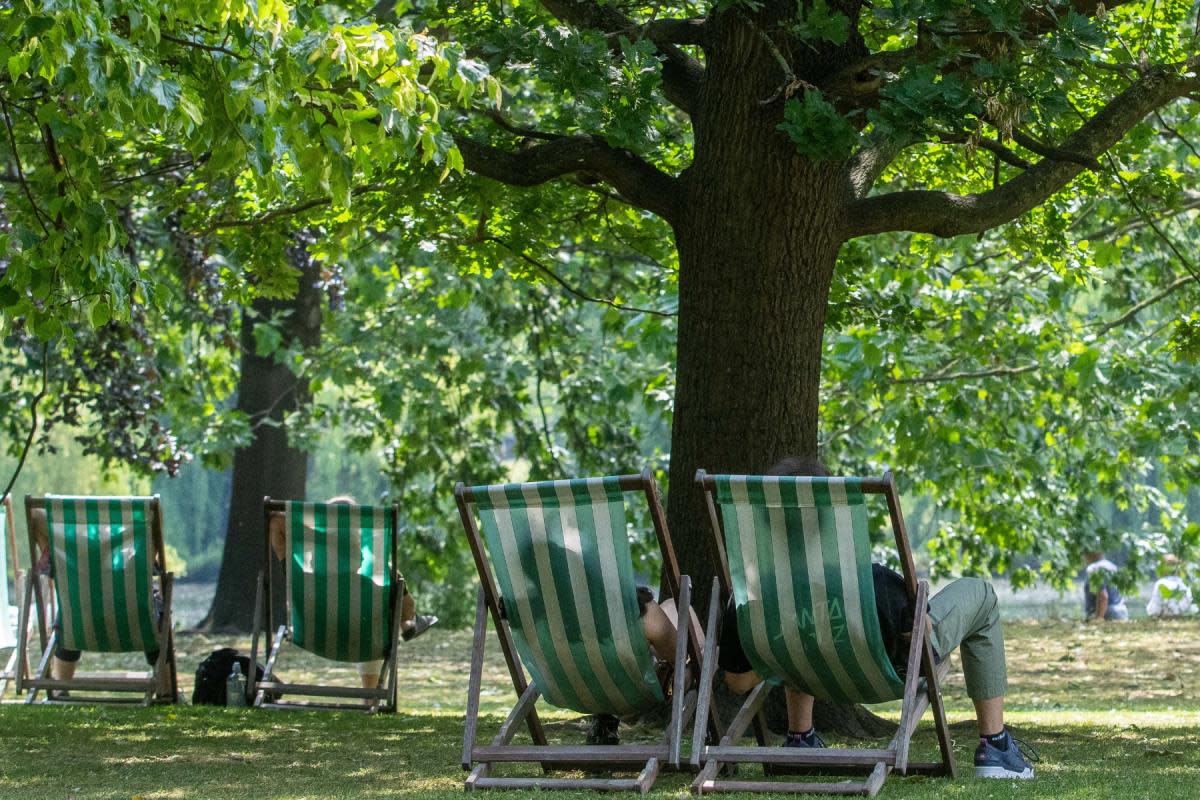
(556, 555)
(341, 590)
(12, 622)
(9, 630)
(798, 555)
(109, 572)
(8, 633)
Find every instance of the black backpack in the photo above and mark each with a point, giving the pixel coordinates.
(213, 672)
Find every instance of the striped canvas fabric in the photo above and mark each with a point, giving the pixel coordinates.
(340, 578)
(800, 559)
(561, 555)
(102, 560)
(8, 616)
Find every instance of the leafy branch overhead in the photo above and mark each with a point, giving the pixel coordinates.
(229, 112)
(1047, 87)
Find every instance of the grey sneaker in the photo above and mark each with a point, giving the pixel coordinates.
(1009, 762)
(812, 741)
(420, 624)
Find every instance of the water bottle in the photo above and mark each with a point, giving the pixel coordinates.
(235, 688)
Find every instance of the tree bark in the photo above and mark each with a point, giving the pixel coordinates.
(267, 392)
(758, 237)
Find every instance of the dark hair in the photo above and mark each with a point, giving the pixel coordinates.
(796, 466)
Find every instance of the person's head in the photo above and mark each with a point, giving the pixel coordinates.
(1092, 556)
(342, 499)
(1168, 565)
(797, 466)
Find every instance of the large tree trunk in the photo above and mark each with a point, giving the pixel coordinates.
(758, 241)
(267, 392)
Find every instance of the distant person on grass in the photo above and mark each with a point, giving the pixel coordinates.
(1170, 596)
(412, 624)
(1101, 599)
(964, 614)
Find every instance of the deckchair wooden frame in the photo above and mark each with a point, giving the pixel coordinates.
(9, 675)
(266, 693)
(157, 685)
(479, 760)
(877, 763)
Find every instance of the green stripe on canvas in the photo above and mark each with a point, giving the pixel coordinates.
(340, 578)
(560, 553)
(120, 598)
(799, 557)
(102, 566)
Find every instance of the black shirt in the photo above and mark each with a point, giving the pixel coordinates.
(891, 605)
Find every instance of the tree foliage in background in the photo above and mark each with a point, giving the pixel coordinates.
(702, 231)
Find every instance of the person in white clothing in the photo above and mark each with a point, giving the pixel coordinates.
(1170, 596)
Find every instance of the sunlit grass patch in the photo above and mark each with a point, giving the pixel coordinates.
(1127, 724)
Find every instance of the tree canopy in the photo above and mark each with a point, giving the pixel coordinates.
(700, 234)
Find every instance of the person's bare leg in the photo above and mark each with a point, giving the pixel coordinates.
(660, 631)
(408, 610)
(368, 673)
(989, 715)
(63, 670)
(741, 682)
(799, 710)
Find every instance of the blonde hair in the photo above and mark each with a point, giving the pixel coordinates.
(347, 499)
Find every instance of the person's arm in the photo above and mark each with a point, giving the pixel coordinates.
(276, 534)
(1102, 602)
(41, 539)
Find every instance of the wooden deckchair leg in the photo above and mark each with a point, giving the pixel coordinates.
(252, 678)
(43, 669)
(390, 666)
(909, 706)
(270, 667)
(939, 711)
(708, 672)
(164, 667)
(23, 639)
(749, 711)
(647, 776)
(519, 713)
(471, 723)
(675, 728)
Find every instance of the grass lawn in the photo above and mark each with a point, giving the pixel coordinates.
(1114, 711)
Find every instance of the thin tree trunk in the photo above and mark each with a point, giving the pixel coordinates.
(267, 392)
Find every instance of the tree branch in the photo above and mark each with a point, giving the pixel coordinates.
(947, 214)
(1133, 311)
(681, 74)
(554, 276)
(941, 375)
(284, 211)
(869, 162)
(34, 423)
(638, 182)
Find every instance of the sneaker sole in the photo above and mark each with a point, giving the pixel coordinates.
(1006, 774)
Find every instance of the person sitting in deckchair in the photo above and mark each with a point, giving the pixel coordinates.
(66, 661)
(660, 623)
(412, 624)
(964, 614)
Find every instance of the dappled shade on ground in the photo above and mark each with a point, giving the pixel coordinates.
(1114, 711)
